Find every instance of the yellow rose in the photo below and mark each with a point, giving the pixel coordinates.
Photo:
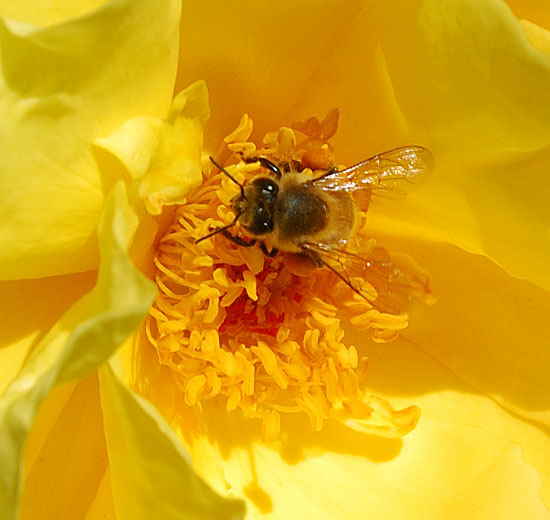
(91, 139)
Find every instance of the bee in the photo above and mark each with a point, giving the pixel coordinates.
(291, 209)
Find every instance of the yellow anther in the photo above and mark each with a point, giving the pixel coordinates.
(242, 132)
(220, 277)
(249, 284)
(255, 331)
(233, 399)
(203, 261)
(193, 388)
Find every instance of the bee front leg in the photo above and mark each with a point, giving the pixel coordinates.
(269, 254)
(266, 163)
(238, 240)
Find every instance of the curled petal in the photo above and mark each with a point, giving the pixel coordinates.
(85, 336)
(29, 308)
(538, 36)
(46, 13)
(150, 473)
(65, 455)
(61, 87)
(164, 156)
(532, 10)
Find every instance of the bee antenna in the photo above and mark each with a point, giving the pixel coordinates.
(219, 230)
(223, 170)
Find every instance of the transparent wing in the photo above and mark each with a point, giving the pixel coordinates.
(391, 170)
(395, 281)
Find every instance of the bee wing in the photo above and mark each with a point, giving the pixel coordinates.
(394, 283)
(391, 170)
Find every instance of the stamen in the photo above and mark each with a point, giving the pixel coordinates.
(264, 334)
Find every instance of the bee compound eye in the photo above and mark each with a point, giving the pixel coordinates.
(268, 188)
(262, 222)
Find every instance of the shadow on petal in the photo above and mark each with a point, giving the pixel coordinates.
(488, 329)
(474, 363)
(29, 308)
(231, 432)
(297, 439)
(532, 10)
(55, 485)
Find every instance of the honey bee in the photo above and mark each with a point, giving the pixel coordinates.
(291, 209)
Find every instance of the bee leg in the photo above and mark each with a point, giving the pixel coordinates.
(269, 254)
(238, 240)
(266, 163)
(317, 259)
(289, 166)
(313, 256)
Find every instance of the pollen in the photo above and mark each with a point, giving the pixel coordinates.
(266, 336)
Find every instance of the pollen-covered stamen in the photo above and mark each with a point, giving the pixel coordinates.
(267, 334)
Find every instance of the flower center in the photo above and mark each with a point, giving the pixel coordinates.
(265, 334)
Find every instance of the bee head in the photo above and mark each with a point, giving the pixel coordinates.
(256, 205)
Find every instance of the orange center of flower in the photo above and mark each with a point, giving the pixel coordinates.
(267, 334)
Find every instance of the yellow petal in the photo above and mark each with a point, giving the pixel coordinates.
(63, 479)
(61, 88)
(490, 332)
(134, 144)
(538, 37)
(487, 327)
(352, 76)
(28, 309)
(510, 203)
(248, 65)
(164, 156)
(46, 13)
(469, 79)
(476, 364)
(473, 88)
(176, 166)
(83, 338)
(533, 10)
(150, 474)
(484, 436)
(464, 458)
(102, 507)
(499, 211)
